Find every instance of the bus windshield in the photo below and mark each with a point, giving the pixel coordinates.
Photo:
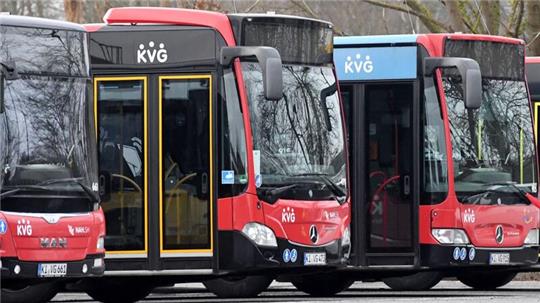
(298, 139)
(47, 123)
(493, 145)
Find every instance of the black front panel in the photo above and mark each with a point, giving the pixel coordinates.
(154, 46)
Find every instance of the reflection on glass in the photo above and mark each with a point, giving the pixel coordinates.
(121, 156)
(47, 128)
(388, 116)
(185, 163)
(300, 137)
(231, 139)
(435, 179)
(493, 144)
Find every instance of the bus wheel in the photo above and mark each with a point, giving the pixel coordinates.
(486, 280)
(235, 287)
(117, 290)
(417, 281)
(322, 285)
(36, 293)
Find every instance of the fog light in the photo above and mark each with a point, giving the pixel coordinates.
(532, 237)
(84, 268)
(17, 269)
(260, 234)
(98, 262)
(450, 236)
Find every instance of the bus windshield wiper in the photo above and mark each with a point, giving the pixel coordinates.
(93, 197)
(43, 187)
(13, 189)
(521, 193)
(273, 194)
(339, 194)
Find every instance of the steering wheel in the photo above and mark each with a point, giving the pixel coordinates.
(182, 181)
(131, 181)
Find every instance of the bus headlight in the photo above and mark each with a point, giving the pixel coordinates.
(346, 238)
(100, 243)
(532, 237)
(450, 236)
(260, 234)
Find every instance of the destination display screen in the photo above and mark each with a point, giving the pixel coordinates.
(298, 41)
(502, 61)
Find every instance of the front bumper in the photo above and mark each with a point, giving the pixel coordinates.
(437, 256)
(29, 269)
(238, 253)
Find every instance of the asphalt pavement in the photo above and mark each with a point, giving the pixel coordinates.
(446, 291)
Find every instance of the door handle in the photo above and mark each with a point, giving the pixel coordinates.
(406, 185)
(204, 183)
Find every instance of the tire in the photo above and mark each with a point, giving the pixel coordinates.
(486, 280)
(322, 285)
(245, 287)
(417, 282)
(36, 293)
(117, 290)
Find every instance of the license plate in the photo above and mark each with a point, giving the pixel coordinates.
(315, 259)
(499, 258)
(52, 270)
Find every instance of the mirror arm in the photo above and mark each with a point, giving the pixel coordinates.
(462, 64)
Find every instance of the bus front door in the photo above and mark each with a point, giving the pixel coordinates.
(155, 146)
(381, 137)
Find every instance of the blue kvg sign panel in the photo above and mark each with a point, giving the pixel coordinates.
(375, 63)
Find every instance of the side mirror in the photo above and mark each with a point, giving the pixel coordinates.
(470, 75)
(325, 93)
(7, 72)
(269, 61)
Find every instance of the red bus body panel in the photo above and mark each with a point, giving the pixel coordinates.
(517, 220)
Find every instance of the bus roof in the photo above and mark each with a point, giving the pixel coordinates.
(24, 21)
(408, 39)
(375, 39)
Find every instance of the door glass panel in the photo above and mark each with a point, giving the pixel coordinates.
(121, 158)
(389, 127)
(185, 156)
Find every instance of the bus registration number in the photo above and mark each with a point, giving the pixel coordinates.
(52, 270)
(315, 258)
(499, 258)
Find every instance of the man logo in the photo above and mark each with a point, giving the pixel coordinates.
(53, 242)
(499, 234)
(313, 234)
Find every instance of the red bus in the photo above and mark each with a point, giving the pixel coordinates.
(443, 161)
(222, 145)
(51, 226)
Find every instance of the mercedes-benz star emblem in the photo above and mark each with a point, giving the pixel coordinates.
(499, 234)
(313, 234)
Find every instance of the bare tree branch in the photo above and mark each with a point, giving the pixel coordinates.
(416, 9)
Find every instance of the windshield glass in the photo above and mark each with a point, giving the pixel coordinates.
(298, 139)
(493, 144)
(47, 125)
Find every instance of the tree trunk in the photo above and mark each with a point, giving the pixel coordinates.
(73, 10)
(533, 30)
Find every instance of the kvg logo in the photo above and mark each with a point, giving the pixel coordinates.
(151, 54)
(358, 65)
(24, 228)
